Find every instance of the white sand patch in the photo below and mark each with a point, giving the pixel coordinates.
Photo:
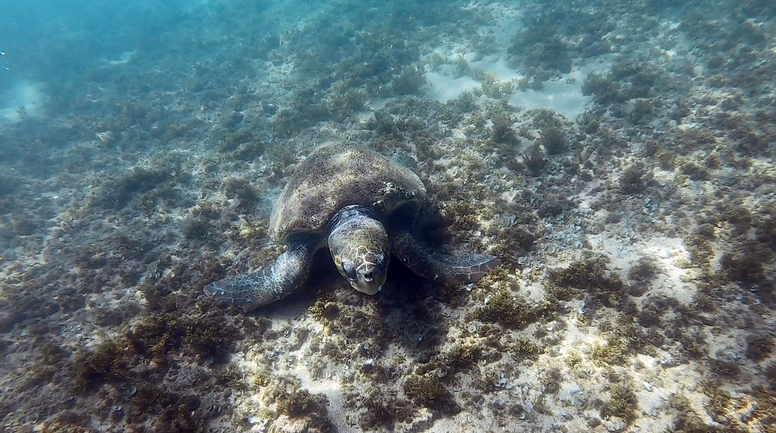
(672, 256)
(330, 387)
(443, 88)
(668, 254)
(25, 98)
(301, 365)
(563, 95)
(122, 59)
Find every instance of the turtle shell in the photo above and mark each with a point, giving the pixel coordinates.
(336, 176)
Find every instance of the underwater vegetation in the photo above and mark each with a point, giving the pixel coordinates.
(144, 353)
(625, 81)
(545, 46)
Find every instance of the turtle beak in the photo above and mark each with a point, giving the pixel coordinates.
(369, 287)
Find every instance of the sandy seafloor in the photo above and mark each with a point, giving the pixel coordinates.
(617, 158)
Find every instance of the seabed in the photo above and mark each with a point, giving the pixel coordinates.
(617, 156)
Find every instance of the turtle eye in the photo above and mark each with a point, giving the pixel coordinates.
(382, 264)
(350, 271)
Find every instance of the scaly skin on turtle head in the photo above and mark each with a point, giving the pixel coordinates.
(360, 248)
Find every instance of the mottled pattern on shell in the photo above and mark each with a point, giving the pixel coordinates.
(336, 176)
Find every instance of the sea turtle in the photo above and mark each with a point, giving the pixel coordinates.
(362, 206)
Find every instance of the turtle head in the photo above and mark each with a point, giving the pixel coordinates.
(359, 246)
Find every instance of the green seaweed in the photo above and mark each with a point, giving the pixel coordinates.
(505, 308)
(553, 140)
(429, 391)
(759, 346)
(409, 82)
(107, 362)
(501, 131)
(622, 402)
(137, 181)
(196, 228)
(588, 276)
(534, 159)
(383, 411)
(699, 245)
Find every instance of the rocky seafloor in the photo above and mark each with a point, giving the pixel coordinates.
(618, 158)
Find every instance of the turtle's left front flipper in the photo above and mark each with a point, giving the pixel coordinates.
(267, 285)
(438, 267)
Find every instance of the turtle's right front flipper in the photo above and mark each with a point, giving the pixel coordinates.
(267, 285)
